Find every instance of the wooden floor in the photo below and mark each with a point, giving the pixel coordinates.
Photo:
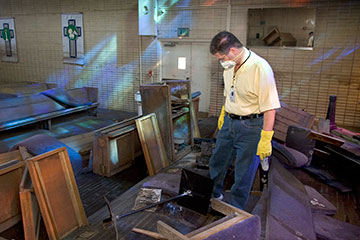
(92, 187)
(347, 204)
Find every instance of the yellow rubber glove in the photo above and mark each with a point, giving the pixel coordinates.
(264, 148)
(221, 118)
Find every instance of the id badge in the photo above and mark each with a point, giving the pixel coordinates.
(232, 94)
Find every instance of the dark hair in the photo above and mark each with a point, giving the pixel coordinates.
(311, 33)
(223, 41)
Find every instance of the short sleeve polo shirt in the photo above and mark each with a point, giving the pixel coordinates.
(254, 85)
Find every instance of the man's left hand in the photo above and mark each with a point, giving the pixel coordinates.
(264, 148)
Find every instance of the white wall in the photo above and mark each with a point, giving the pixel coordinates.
(305, 79)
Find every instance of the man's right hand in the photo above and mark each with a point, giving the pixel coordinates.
(221, 118)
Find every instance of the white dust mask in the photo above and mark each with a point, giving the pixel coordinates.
(230, 63)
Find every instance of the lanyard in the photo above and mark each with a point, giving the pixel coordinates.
(233, 80)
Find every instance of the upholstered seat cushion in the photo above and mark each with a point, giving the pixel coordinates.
(289, 156)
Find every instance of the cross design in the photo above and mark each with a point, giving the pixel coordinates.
(7, 34)
(72, 32)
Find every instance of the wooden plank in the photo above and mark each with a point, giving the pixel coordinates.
(151, 142)
(213, 224)
(116, 126)
(10, 166)
(121, 131)
(169, 232)
(227, 209)
(156, 99)
(11, 170)
(24, 153)
(29, 208)
(154, 235)
(57, 194)
(101, 154)
(217, 228)
(13, 155)
(194, 120)
(326, 138)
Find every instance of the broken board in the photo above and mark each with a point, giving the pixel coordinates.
(29, 208)
(56, 192)
(151, 142)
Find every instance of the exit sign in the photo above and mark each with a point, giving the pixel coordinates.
(183, 32)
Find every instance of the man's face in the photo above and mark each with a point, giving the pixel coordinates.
(226, 57)
(222, 57)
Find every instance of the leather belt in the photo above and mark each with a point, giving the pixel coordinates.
(251, 116)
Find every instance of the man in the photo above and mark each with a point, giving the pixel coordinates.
(247, 118)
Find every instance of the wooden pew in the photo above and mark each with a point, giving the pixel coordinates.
(115, 147)
(25, 110)
(290, 116)
(11, 170)
(25, 88)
